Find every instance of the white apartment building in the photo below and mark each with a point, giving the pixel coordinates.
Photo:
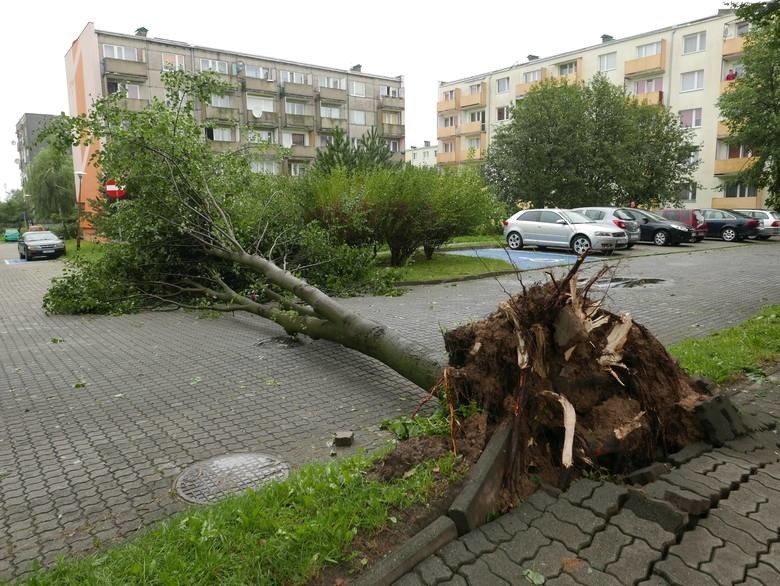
(684, 67)
(424, 156)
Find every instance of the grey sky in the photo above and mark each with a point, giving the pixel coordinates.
(426, 42)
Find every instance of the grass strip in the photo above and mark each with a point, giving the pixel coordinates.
(450, 266)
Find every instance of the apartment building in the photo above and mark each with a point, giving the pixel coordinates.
(296, 105)
(684, 67)
(424, 156)
(27, 144)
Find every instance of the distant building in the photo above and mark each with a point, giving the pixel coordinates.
(421, 156)
(27, 130)
(296, 105)
(684, 67)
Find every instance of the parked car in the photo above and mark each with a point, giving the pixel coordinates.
(11, 235)
(616, 216)
(659, 230)
(45, 244)
(729, 225)
(692, 217)
(769, 222)
(561, 229)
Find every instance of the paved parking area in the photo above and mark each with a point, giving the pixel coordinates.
(99, 414)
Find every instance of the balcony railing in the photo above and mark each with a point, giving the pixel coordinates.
(723, 130)
(135, 105)
(650, 97)
(446, 131)
(391, 102)
(646, 65)
(333, 94)
(298, 89)
(472, 127)
(299, 121)
(732, 166)
(446, 158)
(262, 118)
(391, 130)
(135, 70)
(725, 85)
(332, 123)
(255, 84)
(306, 152)
(733, 46)
(453, 104)
(225, 114)
(477, 99)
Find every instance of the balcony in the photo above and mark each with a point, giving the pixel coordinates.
(222, 114)
(130, 70)
(647, 65)
(262, 118)
(332, 123)
(446, 131)
(576, 76)
(733, 47)
(134, 105)
(223, 146)
(523, 88)
(472, 128)
(472, 154)
(333, 94)
(445, 105)
(255, 84)
(299, 121)
(446, 158)
(298, 89)
(723, 130)
(725, 85)
(731, 203)
(391, 130)
(650, 97)
(732, 166)
(391, 102)
(478, 99)
(303, 152)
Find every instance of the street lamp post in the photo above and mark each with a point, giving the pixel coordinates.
(26, 197)
(80, 175)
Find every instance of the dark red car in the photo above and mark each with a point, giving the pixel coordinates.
(693, 218)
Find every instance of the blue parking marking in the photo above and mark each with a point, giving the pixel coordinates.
(523, 259)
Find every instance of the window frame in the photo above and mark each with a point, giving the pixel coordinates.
(353, 85)
(698, 78)
(613, 54)
(499, 83)
(211, 63)
(701, 42)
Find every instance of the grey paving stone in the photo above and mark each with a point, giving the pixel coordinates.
(477, 543)
(749, 461)
(579, 516)
(479, 573)
(606, 499)
(455, 554)
(540, 500)
(772, 557)
(580, 490)
(728, 565)
(765, 573)
(456, 581)
(743, 523)
(673, 569)
(654, 580)
(727, 533)
(495, 532)
(696, 547)
(503, 567)
(512, 523)
(634, 562)
(701, 488)
(662, 512)
(714, 483)
(550, 560)
(433, 570)
(410, 579)
(605, 547)
(650, 532)
(702, 464)
(684, 500)
(568, 534)
(688, 453)
(560, 580)
(743, 501)
(524, 546)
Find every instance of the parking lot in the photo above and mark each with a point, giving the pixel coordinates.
(98, 414)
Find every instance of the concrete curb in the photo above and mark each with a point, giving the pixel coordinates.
(405, 558)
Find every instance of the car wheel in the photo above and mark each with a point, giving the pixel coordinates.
(728, 234)
(514, 241)
(21, 256)
(699, 238)
(661, 238)
(580, 244)
(629, 246)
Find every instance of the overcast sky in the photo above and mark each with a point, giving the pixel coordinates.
(425, 41)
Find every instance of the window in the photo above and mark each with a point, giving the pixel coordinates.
(220, 101)
(257, 105)
(449, 147)
(472, 143)
(297, 169)
(220, 134)
(296, 77)
(172, 62)
(694, 43)
(448, 121)
(449, 95)
(266, 166)
(532, 76)
(257, 136)
(394, 145)
(502, 113)
(330, 111)
(132, 90)
(549, 217)
(259, 72)
(692, 80)
(325, 140)
(502, 85)
(414, 156)
(695, 156)
(691, 118)
(646, 86)
(607, 62)
(649, 49)
(739, 151)
(388, 91)
(391, 117)
(596, 215)
(214, 65)
(477, 116)
(475, 88)
(295, 139)
(335, 83)
(357, 116)
(120, 52)
(687, 192)
(357, 89)
(293, 107)
(569, 68)
(742, 28)
(740, 190)
(355, 142)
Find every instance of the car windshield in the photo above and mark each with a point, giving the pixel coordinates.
(30, 236)
(575, 217)
(775, 215)
(651, 215)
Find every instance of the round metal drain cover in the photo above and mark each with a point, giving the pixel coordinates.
(222, 476)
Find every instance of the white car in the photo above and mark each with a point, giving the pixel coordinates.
(558, 228)
(769, 222)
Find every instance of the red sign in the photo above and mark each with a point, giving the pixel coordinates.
(113, 191)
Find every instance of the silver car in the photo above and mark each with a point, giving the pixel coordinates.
(561, 229)
(769, 222)
(617, 217)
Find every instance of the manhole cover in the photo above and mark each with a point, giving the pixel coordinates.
(222, 476)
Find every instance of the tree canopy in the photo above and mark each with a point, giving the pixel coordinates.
(751, 106)
(50, 184)
(589, 144)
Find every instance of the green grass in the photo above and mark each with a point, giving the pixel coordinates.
(449, 266)
(481, 239)
(733, 351)
(280, 534)
(89, 250)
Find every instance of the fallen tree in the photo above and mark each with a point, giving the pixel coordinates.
(580, 386)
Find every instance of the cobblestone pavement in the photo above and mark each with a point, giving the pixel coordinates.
(713, 519)
(99, 414)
